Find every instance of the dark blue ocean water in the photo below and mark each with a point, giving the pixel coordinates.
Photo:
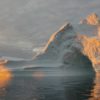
(46, 84)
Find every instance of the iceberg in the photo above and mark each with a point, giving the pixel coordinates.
(72, 42)
(73, 47)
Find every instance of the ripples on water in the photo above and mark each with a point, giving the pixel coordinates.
(40, 85)
(95, 95)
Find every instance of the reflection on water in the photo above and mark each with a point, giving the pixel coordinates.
(5, 77)
(40, 85)
(38, 75)
(96, 90)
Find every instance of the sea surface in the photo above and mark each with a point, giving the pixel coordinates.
(25, 27)
(47, 84)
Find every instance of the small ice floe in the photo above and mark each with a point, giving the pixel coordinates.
(3, 61)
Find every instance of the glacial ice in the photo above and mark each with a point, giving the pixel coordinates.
(69, 41)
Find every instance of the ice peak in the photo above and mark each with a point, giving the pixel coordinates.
(66, 26)
(92, 19)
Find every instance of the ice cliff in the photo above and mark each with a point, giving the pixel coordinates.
(70, 41)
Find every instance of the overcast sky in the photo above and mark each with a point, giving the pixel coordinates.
(29, 23)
